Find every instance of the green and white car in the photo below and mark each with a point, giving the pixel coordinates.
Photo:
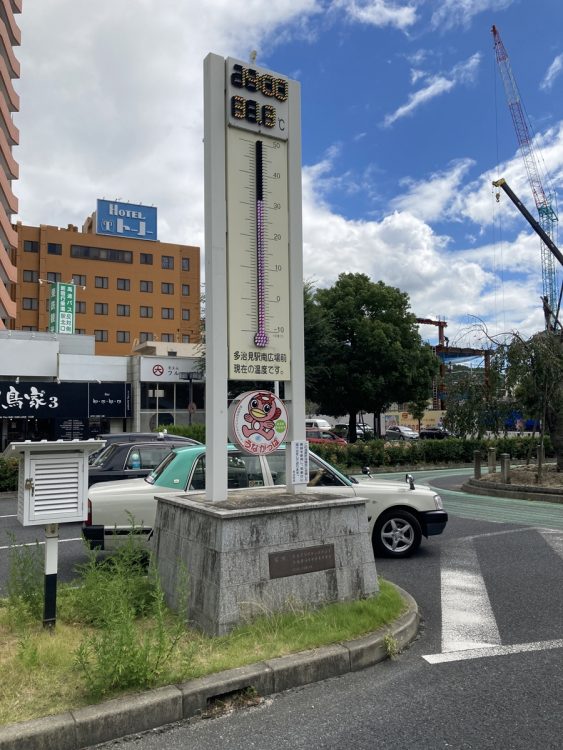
(399, 514)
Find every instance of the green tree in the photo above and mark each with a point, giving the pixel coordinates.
(362, 348)
(534, 371)
(477, 401)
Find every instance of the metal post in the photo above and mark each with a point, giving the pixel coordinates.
(492, 456)
(505, 468)
(51, 567)
(477, 464)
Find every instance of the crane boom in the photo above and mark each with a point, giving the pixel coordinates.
(546, 213)
(536, 226)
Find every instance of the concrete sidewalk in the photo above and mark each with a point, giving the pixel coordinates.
(155, 708)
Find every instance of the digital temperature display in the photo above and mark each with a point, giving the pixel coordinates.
(257, 100)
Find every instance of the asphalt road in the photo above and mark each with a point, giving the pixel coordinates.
(485, 672)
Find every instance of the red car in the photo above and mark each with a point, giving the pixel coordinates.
(323, 436)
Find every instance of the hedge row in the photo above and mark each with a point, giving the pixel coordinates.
(373, 453)
(377, 453)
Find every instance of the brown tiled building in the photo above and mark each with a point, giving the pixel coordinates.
(9, 136)
(128, 291)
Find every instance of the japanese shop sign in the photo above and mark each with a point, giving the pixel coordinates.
(62, 301)
(65, 400)
(126, 220)
(168, 369)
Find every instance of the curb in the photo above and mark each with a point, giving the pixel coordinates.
(515, 491)
(140, 712)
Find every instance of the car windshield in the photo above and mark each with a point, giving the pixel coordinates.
(104, 455)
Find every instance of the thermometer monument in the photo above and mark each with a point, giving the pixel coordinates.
(256, 550)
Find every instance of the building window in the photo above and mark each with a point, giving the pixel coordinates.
(53, 248)
(185, 290)
(167, 313)
(101, 282)
(185, 314)
(30, 303)
(82, 331)
(145, 336)
(123, 337)
(54, 277)
(80, 306)
(101, 253)
(145, 312)
(30, 246)
(145, 259)
(31, 276)
(124, 310)
(185, 338)
(100, 335)
(101, 308)
(185, 264)
(146, 286)
(167, 261)
(29, 328)
(167, 288)
(79, 279)
(124, 284)
(167, 337)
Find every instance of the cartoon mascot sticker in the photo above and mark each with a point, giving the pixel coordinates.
(258, 422)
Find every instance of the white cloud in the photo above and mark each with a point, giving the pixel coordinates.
(552, 73)
(460, 74)
(430, 198)
(380, 12)
(451, 13)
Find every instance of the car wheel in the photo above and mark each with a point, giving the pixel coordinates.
(397, 533)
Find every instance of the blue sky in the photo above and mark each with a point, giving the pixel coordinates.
(404, 125)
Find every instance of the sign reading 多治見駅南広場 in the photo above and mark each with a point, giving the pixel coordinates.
(126, 220)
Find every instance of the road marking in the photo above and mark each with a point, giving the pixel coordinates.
(468, 621)
(480, 653)
(32, 544)
(554, 539)
(14, 515)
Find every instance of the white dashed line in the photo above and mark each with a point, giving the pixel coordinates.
(480, 653)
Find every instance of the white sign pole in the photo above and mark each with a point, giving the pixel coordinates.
(216, 407)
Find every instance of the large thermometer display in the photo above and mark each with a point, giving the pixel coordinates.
(257, 225)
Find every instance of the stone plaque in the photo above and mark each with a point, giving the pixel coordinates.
(294, 562)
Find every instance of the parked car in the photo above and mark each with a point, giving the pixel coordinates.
(323, 436)
(398, 513)
(434, 433)
(131, 459)
(133, 437)
(317, 424)
(399, 432)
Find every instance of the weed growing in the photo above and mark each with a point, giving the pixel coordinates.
(25, 582)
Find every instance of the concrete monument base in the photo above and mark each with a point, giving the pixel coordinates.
(261, 552)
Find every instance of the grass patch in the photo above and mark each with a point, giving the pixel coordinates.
(114, 635)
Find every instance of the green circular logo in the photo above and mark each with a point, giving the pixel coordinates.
(280, 425)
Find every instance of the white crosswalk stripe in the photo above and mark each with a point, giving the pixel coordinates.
(468, 621)
(469, 628)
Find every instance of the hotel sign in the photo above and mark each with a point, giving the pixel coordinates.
(126, 220)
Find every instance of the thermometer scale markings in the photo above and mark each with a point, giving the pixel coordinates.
(261, 337)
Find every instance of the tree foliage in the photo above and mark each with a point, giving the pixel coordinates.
(535, 375)
(362, 348)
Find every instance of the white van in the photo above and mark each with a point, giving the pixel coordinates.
(317, 424)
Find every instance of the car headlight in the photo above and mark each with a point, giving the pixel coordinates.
(438, 502)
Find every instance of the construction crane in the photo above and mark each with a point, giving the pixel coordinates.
(547, 215)
(546, 240)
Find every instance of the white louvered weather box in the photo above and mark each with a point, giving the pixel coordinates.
(53, 480)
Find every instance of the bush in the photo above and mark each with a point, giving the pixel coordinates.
(194, 431)
(380, 454)
(9, 468)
